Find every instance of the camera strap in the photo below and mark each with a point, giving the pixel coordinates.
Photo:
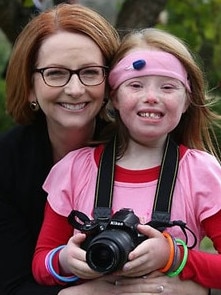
(165, 185)
(105, 182)
(164, 190)
(161, 212)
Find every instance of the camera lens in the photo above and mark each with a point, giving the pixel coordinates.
(109, 251)
(102, 256)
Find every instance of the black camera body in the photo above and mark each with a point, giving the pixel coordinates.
(109, 241)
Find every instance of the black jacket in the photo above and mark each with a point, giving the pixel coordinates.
(25, 160)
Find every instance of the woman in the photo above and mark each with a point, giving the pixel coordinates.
(55, 88)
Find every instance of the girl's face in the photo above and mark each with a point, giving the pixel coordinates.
(73, 105)
(150, 106)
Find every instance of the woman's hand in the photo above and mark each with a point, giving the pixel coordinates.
(72, 259)
(110, 285)
(104, 285)
(156, 283)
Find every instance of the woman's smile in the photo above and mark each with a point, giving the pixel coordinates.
(74, 106)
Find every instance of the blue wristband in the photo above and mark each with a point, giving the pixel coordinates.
(49, 265)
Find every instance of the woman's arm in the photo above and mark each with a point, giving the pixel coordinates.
(16, 254)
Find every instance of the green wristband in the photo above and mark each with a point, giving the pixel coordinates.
(183, 263)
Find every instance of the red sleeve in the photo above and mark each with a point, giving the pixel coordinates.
(203, 267)
(55, 231)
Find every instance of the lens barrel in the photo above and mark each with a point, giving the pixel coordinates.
(109, 250)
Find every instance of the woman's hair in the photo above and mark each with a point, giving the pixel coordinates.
(195, 127)
(64, 17)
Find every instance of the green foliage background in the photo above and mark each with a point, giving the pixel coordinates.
(5, 48)
(198, 23)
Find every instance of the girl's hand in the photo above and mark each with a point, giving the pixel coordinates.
(150, 255)
(72, 259)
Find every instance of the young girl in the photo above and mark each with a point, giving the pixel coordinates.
(157, 91)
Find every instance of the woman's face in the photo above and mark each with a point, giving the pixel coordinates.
(150, 106)
(73, 105)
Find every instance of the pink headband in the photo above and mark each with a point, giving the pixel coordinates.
(146, 63)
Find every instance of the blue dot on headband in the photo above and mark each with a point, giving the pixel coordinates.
(139, 64)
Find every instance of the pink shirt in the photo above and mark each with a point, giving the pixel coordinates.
(197, 195)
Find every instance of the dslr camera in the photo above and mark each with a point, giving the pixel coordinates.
(109, 241)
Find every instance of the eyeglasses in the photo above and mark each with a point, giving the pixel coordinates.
(58, 77)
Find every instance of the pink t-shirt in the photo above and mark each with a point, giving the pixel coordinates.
(197, 195)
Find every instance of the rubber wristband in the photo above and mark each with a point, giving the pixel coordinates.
(50, 268)
(183, 263)
(176, 257)
(172, 252)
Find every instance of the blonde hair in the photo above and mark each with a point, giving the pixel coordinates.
(67, 17)
(195, 127)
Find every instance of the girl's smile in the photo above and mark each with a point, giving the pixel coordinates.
(150, 106)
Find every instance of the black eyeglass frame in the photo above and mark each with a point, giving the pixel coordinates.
(71, 73)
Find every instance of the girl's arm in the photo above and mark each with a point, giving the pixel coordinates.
(204, 267)
(69, 262)
(152, 254)
(55, 231)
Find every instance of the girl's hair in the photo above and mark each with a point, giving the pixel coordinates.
(195, 128)
(64, 17)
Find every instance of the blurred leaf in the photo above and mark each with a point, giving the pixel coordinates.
(5, 120)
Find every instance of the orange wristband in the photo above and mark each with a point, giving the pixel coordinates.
(172, 252)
